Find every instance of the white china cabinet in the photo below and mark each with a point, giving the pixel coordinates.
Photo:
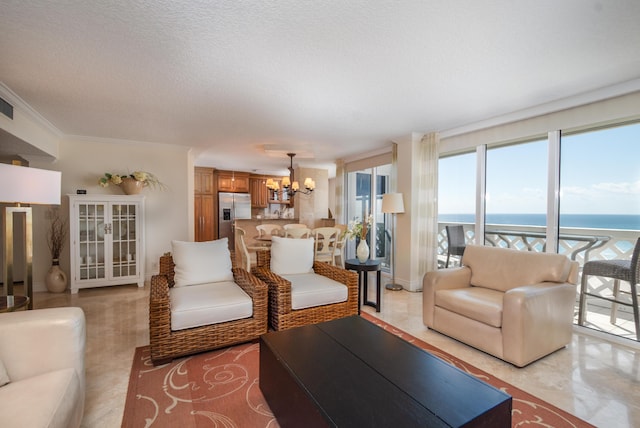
(107, 240)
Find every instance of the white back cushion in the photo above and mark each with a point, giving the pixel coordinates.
(201, 262)
(291, 256)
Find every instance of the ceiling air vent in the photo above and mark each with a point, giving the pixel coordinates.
(6, 109)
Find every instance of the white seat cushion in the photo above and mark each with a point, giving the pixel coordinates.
(206, 304)
(309, 290)
(476, 303)
(57, 401)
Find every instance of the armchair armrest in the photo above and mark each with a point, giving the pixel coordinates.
(58, 333)
(537, 319)
(255, 288)
(441, 279)
(279, 290)
(343, 276)
(159, 309)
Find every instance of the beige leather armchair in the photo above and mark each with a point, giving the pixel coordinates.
(515, 305)
(43, 353)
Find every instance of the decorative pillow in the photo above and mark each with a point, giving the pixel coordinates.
(4, 377)
(291, 256)
(201, 262)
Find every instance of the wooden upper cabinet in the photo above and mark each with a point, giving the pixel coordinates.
(259, 192)
(233, 181)
(203, 181)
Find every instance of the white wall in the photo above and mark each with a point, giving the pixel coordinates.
(310, 209)
(82, 163)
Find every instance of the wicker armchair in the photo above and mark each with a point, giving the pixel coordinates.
(282, 316)
(167, 344)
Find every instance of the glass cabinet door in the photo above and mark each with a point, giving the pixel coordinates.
(91, 243)
(124, 244)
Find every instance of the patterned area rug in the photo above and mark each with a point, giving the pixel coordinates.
(220, 389)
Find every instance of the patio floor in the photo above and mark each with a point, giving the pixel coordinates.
(598, 319)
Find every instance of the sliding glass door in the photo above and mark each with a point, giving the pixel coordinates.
(364, 192)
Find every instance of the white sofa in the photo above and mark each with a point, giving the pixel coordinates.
(43, 353)
(515, 305)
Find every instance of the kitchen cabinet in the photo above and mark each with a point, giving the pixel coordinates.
(203, 181)
(229, 181)
(204, 204)
(259, 192)
(107, 240)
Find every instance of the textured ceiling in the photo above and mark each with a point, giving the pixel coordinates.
(341, 77)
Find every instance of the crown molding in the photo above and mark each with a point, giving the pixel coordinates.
(596, 95)
(20, 104)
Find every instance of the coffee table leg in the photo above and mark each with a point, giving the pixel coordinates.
(365, 295)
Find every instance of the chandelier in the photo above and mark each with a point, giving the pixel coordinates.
(289, 185)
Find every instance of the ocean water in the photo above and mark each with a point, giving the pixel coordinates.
(582, 221)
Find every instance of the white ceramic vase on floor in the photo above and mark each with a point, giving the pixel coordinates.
(56, 279)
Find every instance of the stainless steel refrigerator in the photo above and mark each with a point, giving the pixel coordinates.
(232, 206)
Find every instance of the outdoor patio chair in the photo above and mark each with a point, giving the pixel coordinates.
(302, 291)
(201, 302)
(455, 242)
(618, 270)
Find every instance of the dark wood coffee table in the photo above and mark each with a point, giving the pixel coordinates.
(351, 373)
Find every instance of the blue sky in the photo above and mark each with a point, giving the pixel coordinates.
(600, 174)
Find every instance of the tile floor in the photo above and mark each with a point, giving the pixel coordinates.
(592, 378)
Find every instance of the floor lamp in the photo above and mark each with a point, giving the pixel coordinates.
(23, 185)
(392, 203)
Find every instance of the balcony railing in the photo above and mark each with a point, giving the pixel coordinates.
(579, 244)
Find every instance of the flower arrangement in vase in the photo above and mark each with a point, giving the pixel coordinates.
(132, 183)
(359, 229)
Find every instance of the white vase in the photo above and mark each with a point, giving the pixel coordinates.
(362, 252)
(56, 279)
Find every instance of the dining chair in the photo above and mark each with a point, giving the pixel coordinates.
(268, 229)
(455, 242)
(297, 232)
(242, 249)
(339, 251)
(618, 270)
(294, 226)
(325, 244)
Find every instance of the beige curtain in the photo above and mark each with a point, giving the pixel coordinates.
(339, 199)
(427, 206)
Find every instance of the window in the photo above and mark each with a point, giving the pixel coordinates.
(516, 196)
(600, 187)
(364, 198)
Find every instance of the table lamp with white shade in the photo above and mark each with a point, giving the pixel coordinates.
(392, 203)
(24, 185)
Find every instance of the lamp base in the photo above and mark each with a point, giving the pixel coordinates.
(394, 287)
